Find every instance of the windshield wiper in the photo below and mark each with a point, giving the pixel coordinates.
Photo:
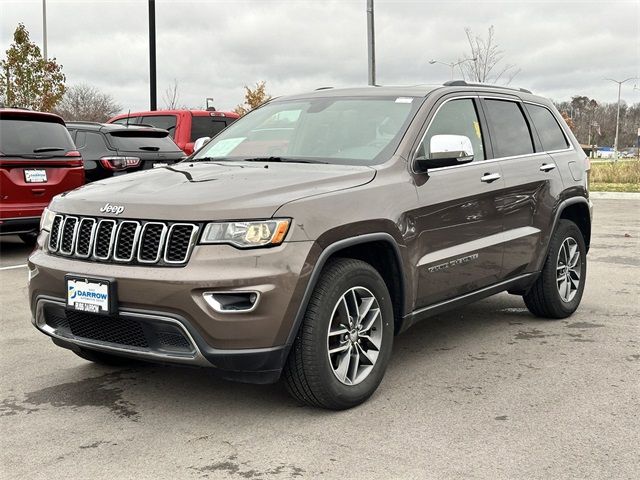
(47, 149)
(149, 149)
(280, 159)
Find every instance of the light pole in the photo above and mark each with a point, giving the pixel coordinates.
(371, 44)
(44, 29)
(452, 65)
(615, 142)
(152, 56)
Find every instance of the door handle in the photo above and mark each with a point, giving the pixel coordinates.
(547, 167)
(490, 177)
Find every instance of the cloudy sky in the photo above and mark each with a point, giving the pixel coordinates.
(212, 48)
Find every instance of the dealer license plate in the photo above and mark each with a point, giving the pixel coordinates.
(36, 175)
(89, 295)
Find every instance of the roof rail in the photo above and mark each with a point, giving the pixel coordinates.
(463, 83)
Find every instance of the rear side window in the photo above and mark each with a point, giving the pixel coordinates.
(548, 129)
(206, 127)
(166, 122)
(91, 145)
(29, 137)
(138, 143)
(510, 135)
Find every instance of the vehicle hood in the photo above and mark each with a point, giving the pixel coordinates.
(210, 191)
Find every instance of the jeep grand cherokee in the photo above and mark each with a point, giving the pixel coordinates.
(302, 238)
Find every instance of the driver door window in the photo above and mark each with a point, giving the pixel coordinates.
(455, 117)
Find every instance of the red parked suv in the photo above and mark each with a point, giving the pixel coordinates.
(185, 126)
(38, 160)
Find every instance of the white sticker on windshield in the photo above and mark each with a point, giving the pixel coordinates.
(223, 147)
(404, 100)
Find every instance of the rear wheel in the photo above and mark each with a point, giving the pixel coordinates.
(344, 343)
(558, 290)
(103, 358)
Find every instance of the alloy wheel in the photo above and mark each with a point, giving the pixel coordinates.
(568, 269)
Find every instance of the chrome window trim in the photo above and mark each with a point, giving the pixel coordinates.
(161, 244)
(194, 230)
(73, 238)
(91, 237)
(136, 235)
(59, 233)
(111, 239)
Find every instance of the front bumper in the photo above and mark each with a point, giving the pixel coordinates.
(249, 346)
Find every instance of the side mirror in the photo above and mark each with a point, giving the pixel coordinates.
(446, 151)
(199, 143)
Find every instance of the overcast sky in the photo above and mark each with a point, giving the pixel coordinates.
(213, 48)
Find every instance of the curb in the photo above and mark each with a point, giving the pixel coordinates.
(615, 195)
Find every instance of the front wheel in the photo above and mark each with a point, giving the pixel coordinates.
(558, 290)
(344, 343)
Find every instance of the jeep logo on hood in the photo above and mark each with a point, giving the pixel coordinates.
(115, 209)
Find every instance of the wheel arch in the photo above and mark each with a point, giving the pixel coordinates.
(383, 253)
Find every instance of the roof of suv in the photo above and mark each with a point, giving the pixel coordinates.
(16, 113)
(409, 91)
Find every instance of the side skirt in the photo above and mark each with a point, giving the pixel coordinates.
(519, 283)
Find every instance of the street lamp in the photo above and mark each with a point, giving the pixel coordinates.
(453, 65)
(615, 142)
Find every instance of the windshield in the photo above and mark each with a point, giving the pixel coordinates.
(341, 130)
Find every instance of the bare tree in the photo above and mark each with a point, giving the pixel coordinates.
(172, 96)
(86, 102)
(485, 60)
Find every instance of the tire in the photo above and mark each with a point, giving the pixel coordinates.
(102, 358)
(544, 299)
(29, 238)
(315, 377)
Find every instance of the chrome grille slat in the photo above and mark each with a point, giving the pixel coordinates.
(68, 235)
(178, 244)
(54, 236)
(124, 241)
(151, 242)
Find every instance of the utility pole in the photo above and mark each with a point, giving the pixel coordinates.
(44, 29)
(153, 94)
(371, 43)
(615, 142)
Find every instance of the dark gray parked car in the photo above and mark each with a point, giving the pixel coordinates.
(302, 238)
(111, 150)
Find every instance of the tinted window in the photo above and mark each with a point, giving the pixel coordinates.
(456, 117)
(549, 131)
(510, 133)
(27, 137)
(166, 122)
(91, 145)
(125, 121)
(141, 142)
(206, 127)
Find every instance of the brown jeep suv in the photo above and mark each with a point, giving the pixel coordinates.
(300, 240)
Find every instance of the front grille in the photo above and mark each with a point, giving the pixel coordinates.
(123, 241)
(114, 329)
(121, 330)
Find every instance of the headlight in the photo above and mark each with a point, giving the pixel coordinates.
(47, 219)
(258, 233)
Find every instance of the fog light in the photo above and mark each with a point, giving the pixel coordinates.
(232, 302)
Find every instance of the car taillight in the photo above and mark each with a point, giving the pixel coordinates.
(119, 163)
(72, 153)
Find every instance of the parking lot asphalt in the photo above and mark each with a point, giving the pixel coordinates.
(483, 392)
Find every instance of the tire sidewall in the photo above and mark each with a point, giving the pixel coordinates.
(348, 395)
(566, 230)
